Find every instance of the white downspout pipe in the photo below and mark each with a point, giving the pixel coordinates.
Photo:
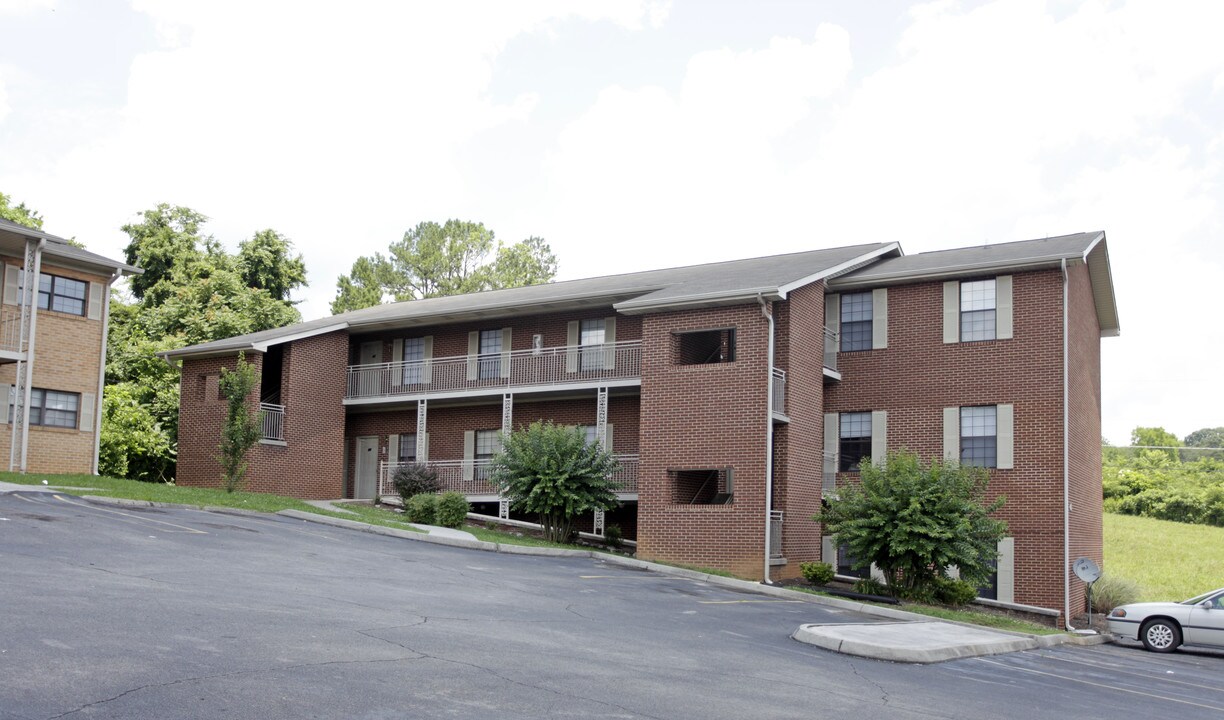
(1066, 414)
(768, 315)
(102, 373)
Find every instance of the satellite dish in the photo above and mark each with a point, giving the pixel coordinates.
(1086, 570)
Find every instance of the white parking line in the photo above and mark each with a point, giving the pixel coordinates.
(1102, 685)
(136, 519)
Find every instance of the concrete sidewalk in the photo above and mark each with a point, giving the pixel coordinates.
(898, 636)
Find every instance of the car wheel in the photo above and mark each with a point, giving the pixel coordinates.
(1160, 635)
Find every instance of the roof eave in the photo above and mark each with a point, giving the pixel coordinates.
(950, 272)
(699, 300)
(842, 268)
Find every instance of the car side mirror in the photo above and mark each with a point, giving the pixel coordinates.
(1207, 605)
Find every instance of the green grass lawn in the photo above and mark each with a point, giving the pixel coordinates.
(1168, 560)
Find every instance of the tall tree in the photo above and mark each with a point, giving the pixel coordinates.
(19, 213)
(166, 238)
(1206, 438)
(1156, 437)
(433, 260)
(267, 261)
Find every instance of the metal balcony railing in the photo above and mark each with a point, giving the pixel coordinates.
(546, 366)
(779, 391)
(471, 477)
(273, 421)
(775, 534)
(829, 476)
(832, 343)
(10, 328)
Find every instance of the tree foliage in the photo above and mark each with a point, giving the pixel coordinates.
(1206, 438)
(914, 521)
(1151, 483)
(1156, 437)
(433, 260)
(552, 471)
(242, 428)
(19, 213)
(192, 291)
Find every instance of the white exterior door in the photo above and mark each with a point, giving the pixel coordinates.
(366, 481)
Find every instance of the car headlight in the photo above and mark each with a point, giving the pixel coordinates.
(1118, 613)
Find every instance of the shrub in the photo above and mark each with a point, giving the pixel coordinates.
(452, 509)
(1111, 591)
(817, 573)
(955, 592)
(552, 471)
(869, 586)
(415, 479)
(612, 536)
(421, 509)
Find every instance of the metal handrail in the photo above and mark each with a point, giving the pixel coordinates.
(775, 533)
(832, 343)
(546, 366)
(779, 391)
(273, 421)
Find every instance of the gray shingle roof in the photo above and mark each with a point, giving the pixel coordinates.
(690, 286)
(58, 247)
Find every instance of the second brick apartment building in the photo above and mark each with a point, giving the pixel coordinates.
(734, 394)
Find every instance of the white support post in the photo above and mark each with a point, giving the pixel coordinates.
(422, 431)
(601, 416)
(25, 364)
(503, 502)
(599, 523)
(503, 508)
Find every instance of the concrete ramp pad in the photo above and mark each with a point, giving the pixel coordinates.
(911, 642)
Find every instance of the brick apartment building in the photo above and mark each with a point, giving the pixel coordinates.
(52, 351)
(734, 394)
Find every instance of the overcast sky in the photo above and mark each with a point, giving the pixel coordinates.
(636, 135)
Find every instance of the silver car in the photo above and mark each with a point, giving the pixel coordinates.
(1163, 626)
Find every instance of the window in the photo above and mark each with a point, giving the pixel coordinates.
(706, 486)
(407, 448)
(854, 442)
(414, 361)
(979, 438)
(49, 407)
(591, 341)
(56, 293)
(590, 433)
(490, 354)
(977, 310)
(488, 443)
(705, 347)
(856, 322)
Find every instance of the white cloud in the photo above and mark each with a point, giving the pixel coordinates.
(25, 7)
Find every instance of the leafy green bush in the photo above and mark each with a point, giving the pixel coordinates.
(955, 592)
(912, 520)
(612, 536)
(421, 509)
(414, 479)
(869, 586)
(817, 573)
(1160, 484)
(452, 509)
(552, 471)
(1111, 591)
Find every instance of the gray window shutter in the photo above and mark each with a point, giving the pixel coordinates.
(507, 336)
(833, 318)
(393, 448)
(6, 398)
(1004, 437)
(879, 436)
(609, 343)
(1003, 307)
(607, 438)
(473, 365)
(96, 295)
(469, 454)
(397, 356)
(1005, 578)
(11, 273)
(879, 318)
(831, 432)
(427, 367)
(951, 312)
(571, 346)
(87, 409)
(951, 434)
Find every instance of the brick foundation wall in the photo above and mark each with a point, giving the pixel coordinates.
(704, 416)
(918, 375)
(67, 358)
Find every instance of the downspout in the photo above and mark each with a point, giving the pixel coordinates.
(102, 373)
(768, 315)
(1066, 414)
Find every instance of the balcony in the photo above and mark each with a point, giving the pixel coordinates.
(471, 477)
(470, 375)
(775, 534)
(828, 484)
(10, 329)
(273, 422)
(779, 394)
(832, 343)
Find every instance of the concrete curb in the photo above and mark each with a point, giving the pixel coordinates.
(127, 502)
(921, 647)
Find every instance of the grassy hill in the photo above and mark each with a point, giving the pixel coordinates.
(1169, 560)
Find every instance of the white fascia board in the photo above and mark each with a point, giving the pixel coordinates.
(1103, 292)
(263, 346)
(681, 302)
(841, 268)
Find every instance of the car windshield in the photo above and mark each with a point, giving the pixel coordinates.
(1200, 598)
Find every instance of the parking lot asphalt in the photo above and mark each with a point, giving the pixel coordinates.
(158, 613)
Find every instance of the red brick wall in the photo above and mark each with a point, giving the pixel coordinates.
(201, 417)
(704, 416)
(918, 375)
(1084, 394)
